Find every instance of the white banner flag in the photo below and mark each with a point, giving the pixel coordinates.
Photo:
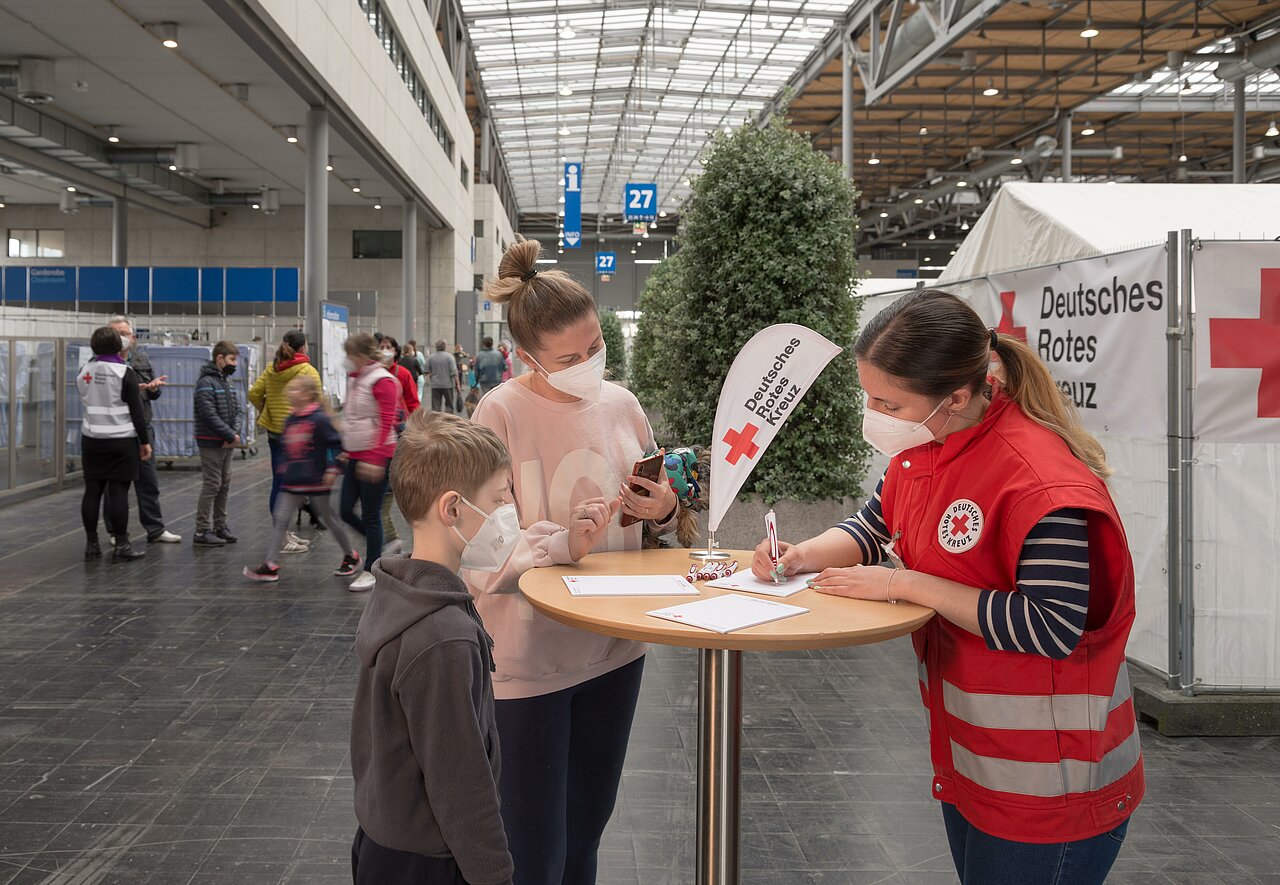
(1237, 302)
(768, 377)
(1099, 324)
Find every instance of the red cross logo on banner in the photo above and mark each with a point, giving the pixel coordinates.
(740, 443)
(959, 525)
(1253, 343)
(1006, 326)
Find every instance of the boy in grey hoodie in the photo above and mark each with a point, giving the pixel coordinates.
(424, 742)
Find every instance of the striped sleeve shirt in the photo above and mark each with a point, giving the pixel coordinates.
(1047, 615)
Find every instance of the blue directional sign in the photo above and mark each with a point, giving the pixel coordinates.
(640, 202)
(572, 205)
(606, 263)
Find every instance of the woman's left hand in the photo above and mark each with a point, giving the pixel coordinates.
(659, 503)
(859, 582)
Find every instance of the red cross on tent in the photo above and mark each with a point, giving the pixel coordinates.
(1248, 343)
(740, 443)
(1006, 326)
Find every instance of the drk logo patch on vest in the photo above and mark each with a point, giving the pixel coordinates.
(961, 526)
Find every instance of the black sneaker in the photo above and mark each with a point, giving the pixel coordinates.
(92, 550)
(226, 535)
(125, 552)
(350, 565)
(207, 539)
(265, 573)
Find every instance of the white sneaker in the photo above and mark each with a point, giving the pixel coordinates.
(292, 546)
(362, 583)
(165, 537)
(391, 548)
(298, 539)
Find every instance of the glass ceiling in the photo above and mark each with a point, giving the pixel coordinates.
(633, 88)
(1196, 79)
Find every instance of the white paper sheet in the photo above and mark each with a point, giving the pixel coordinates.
(749, 583)
(724, 614)
(629, 585)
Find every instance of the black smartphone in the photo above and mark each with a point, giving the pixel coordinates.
(649, 468)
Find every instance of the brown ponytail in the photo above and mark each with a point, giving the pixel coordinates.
(542, 301)
(935, 344)
(1027, 382)
(293, 341)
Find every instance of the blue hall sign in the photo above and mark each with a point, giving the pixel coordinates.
(572, 205)
(640, 202)
(606, 263)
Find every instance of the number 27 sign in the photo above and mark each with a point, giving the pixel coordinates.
(640, 202)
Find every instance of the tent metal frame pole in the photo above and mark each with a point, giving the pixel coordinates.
(1180, 545)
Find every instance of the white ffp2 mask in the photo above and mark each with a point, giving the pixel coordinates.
(495, 541)
(891, 436)
(583, 380)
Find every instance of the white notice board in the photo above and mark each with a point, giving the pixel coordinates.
(333, 332)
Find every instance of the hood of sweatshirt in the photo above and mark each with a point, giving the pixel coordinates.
(407, 590)
(210, 368)
(296, 360)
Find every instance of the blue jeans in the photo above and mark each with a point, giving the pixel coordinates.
(982, 859)
(562, 756)
(369, 523)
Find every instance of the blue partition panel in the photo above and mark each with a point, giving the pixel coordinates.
(52, 283)
(15, 285)
(138, 284)
(213, 283)
(175, 284)
(101, 284)
(249, 284)
(287, 284)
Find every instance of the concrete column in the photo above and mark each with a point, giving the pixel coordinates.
(119, 232)
(316, 229)
(1068, 136)
(846, 109)
(1237, 133)
(486, 148)
(409, 269)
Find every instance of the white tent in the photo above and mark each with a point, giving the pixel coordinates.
(1030, 224)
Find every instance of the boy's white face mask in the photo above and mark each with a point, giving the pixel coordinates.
(492, 545)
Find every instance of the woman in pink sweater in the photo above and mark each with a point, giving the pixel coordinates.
(565, 697)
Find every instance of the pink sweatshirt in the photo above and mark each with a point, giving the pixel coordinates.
(561, 454)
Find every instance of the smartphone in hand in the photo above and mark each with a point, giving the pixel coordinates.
(649, 468)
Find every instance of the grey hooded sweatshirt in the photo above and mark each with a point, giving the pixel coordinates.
(424, 741)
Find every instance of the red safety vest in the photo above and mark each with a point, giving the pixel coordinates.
(1027, 748)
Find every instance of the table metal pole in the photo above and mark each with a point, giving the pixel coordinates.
(719, 765)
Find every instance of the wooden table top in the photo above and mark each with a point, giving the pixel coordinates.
(831, 621)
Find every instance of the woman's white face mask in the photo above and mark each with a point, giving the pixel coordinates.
(891, 436)
(582, 380)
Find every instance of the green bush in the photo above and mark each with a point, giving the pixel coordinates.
(767, 236)
(615, 346)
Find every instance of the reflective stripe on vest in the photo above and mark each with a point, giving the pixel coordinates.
(1047, 779)
(105, 414)
(1061, 712)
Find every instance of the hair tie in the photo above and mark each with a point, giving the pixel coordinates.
(526, 277)
(995, 339)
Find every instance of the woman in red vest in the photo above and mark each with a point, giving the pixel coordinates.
(994, 512)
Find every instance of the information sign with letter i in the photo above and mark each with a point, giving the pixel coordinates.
(572, 205)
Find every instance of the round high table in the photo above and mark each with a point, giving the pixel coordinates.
(831, 622)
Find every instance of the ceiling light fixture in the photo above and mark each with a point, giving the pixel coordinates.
(962, 183)
(566, 90)
(567, 32)
(884, 214)
(355, 185)
(964, 225)
(932, 235)
(167, 32)
(924, 130)
(71, 189)
(1090, 30)
(290, 133)
(256, 206)
(112, 137)
(1182, 158)
(1016, 161)
(1088, 129)
(662, 213)
(874, 161)
(919, 201)
(561, 200)
(377, 205)
(991, 91)
(1272, 131)
(563, 131)
(1, 202)
(328, 167)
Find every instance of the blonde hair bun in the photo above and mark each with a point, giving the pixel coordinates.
(541, 301)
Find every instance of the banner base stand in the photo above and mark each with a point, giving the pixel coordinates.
(711, 554)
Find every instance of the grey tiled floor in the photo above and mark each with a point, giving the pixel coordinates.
(166, 722)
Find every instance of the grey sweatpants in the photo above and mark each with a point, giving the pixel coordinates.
(287, 506)
(215, 471)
